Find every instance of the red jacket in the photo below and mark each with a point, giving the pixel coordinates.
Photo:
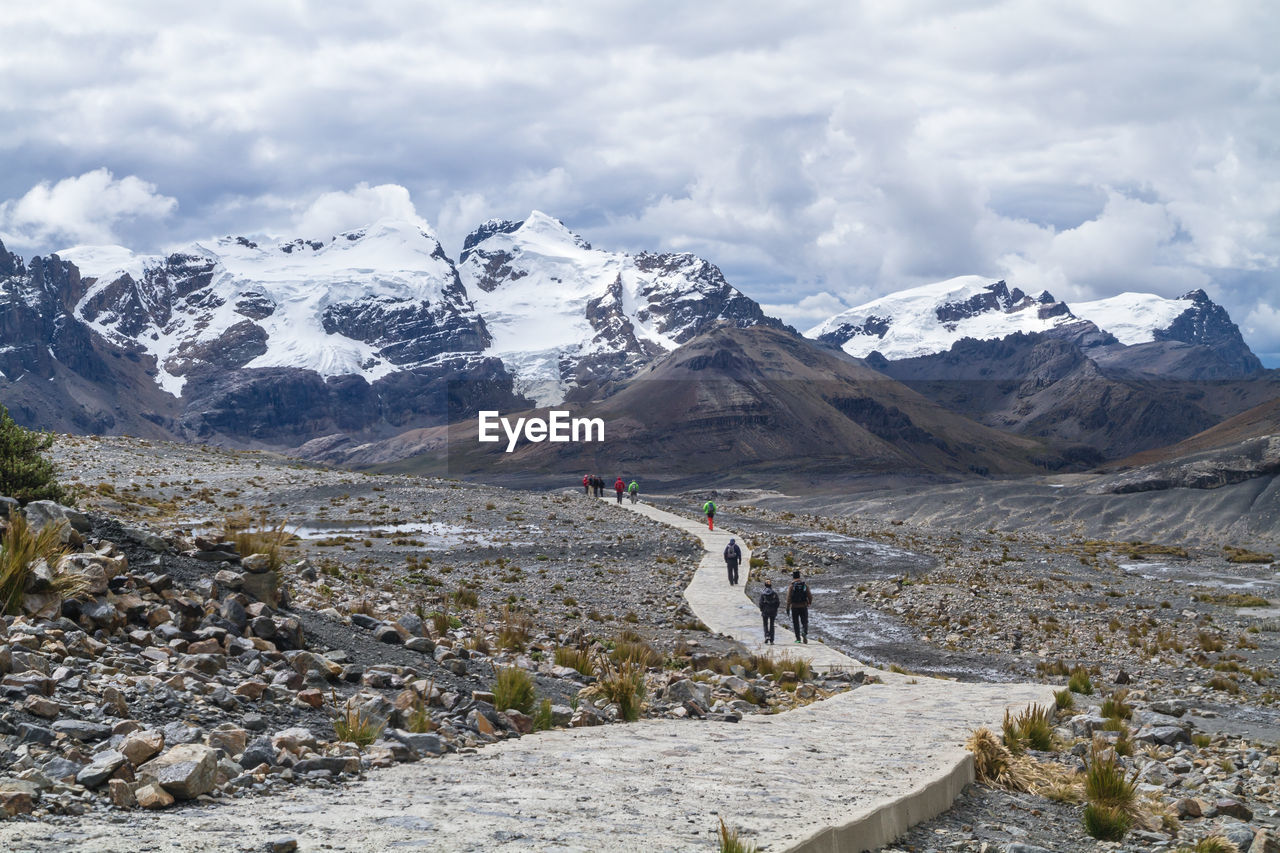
(586, 479)
(619, 486)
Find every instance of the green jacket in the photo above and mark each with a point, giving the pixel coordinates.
(634, 487)
(709, 508)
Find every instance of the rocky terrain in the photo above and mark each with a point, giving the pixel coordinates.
(1184, 637)
(353, 622)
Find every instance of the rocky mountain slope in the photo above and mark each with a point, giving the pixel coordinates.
(569, 320)
(1063, 385)
(754, 404)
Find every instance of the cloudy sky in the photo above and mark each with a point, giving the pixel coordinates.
(821, 153)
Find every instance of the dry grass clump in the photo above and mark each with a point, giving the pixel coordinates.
(1231, 599)
(260, 537)
(575, 658)
(993, 763)
(1115, 706)
(1244, 555)
(1211, 844)
(630, 646)
(21, 551)
(351, 724)
(622, 683)
(731, 841)
(515, 630)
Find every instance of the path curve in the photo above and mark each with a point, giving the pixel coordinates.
(726, 609)
(849, 773)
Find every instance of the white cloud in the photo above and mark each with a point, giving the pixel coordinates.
(806, 148)
(1261, 327)
(808, 311)
(335, 212)
(85, 209)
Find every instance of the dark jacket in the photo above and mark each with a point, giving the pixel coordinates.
(769, 602)
(732, 554)
(797, 601)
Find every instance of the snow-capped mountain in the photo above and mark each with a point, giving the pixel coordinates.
(562, 314)
(365, 303)
(931, 318)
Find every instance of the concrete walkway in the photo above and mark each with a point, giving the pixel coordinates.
(849, 773)
(727, 610)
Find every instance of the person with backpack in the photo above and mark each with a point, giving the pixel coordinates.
(586, 484)
(769, 602)
(709, 509)
(799, 598)
(633, 490)
(619, 487)
(732, 556)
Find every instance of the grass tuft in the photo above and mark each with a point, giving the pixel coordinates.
(352, 725)
(1079, 682)
(513, 688)
(993, 764)
(20, 552)
(622, 683)
(575, 658)
(1106, 823)
(731, 841)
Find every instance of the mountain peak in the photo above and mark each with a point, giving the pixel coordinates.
(930, 318)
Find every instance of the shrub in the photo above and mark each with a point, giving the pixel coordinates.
(20, 552)
(1079, 682)
(731, 841)
(25, 475)
(1064, 700)
(513, 688)
(1106, 823)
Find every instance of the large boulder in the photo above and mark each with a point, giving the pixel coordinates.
(687, 690)
(186, 771)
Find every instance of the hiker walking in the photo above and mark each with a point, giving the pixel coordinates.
(633, 490)
(769, 602)
(709, 509)
(798, 600)
(732, 556)
(619, 487)
(586, 484)
(598, 483)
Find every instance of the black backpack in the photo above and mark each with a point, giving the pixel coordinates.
(800, 596)
(769, 600)
(732, 552)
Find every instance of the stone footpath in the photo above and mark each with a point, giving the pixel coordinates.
(727, 610)
(849, 773)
